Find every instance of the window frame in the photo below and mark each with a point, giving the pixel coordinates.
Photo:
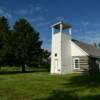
(78, 63)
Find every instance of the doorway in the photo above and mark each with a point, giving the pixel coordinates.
(56, 66)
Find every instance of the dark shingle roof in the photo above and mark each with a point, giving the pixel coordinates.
(91, 50)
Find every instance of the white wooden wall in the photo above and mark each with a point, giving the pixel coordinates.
(76, 50)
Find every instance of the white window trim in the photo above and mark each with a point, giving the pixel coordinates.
(78, 63)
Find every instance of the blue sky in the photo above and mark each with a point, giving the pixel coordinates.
(84, 15)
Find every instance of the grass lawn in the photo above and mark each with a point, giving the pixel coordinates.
(43, 86)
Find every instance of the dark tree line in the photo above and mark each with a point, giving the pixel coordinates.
(21, 45)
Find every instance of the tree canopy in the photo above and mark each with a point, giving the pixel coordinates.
(20, 45)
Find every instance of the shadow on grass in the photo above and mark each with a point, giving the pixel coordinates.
(14, 72)
(21, 72)
(85, 81)
(78, 87)
(69, 95)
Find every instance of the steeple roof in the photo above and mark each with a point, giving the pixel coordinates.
(64, 25)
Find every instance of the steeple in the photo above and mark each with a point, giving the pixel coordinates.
(61, 27)
(61, 48)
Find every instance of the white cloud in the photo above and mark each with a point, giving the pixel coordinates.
(76, 30)
(46, 22)
(8, 15)
(88, 32)
(43, 23)
(41, 18)
(23, 12)
(38, 19)
(38, 8)
(5, 13)
(85, 23)
(96, 24)
(1, 11)
(60, 18)
(31, 10)
(90, 37)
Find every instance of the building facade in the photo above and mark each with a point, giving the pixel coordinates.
(69, 55)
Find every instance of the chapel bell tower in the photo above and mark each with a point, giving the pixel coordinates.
(61, 61)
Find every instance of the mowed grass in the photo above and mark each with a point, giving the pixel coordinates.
(43, 86)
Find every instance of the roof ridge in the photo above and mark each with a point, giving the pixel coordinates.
(93, 51)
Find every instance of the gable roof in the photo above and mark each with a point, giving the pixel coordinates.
(91, 50)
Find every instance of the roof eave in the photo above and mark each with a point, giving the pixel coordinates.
(94, 56)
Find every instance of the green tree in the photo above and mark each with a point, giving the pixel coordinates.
(45, 58)
(26, 44)
(21, 46)
(4, 36)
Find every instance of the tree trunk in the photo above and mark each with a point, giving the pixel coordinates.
(23, 68)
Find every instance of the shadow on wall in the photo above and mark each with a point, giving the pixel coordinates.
(80, 87)
(94, 65)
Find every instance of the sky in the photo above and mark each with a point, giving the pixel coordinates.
(83, 15)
